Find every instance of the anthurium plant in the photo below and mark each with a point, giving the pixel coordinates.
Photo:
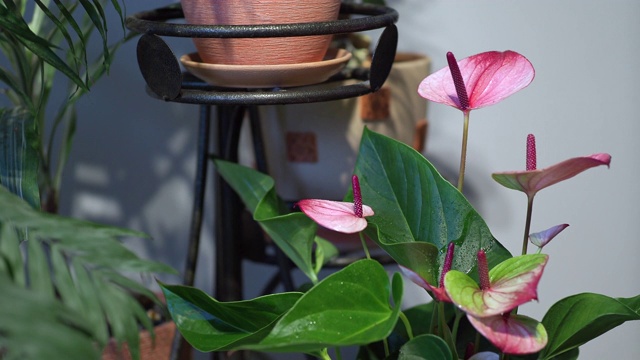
(438, 240)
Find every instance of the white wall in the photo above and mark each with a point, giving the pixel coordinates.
(134, 156)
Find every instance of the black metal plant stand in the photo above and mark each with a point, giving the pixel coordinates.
(165, 80)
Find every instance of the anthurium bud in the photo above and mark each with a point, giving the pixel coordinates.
(542, 238)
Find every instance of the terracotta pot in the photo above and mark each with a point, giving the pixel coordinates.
(149, 349)
(262, 51)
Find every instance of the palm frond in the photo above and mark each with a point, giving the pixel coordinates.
(61, 27)
(11, 23)
(60, 333)
(76, 267)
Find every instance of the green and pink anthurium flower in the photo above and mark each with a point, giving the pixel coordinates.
(532, 180)
(512, 334)
(479, 80)
(340, 216)
(488, 306)
(439, 292)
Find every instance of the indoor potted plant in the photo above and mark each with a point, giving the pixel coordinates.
(65, 292)
(54, 41)
(399, 200)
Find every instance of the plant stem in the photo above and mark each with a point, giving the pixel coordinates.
(407, 325)
(434, 320)
(456, 323)
(443, 322)
(338, 353)
(463, 154)
(364, 245)
(527, 225)
(386, 347)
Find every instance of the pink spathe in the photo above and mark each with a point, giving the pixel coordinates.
(488, 78)
(335, 215)
(532, 181)
(261, 51)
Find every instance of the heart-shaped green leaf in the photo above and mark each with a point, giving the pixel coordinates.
(294, 233)
(210, 325)
(580, 318)
(350, 307)
(425, 347)
(513, 282)
(417, 212)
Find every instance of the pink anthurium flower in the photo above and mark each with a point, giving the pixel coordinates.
(479, 80)
(439, 292)
(532, 180)
(512, 334)
(507, 286)
(344, 217)
(542, 238)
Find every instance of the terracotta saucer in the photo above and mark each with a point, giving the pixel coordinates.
(267, 76)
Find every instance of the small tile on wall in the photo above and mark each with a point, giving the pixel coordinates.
(376, 106)
(301, 147)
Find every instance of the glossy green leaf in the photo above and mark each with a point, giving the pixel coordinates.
(350, 307)
(324, 252)
(210, 325)
(425, 347)
(580, 318)
(417, 212)
(294, 233)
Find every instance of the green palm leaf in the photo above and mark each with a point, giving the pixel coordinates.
(74, 267)
(14, 24)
